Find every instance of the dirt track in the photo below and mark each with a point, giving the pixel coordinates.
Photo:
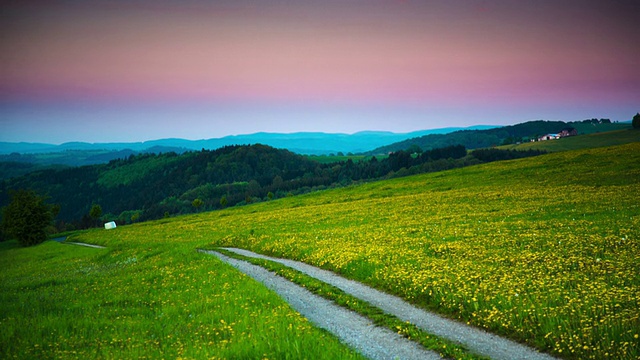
(360, 333)
(351, 328)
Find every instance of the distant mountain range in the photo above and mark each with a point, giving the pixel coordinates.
(306, 143)
(37, 155)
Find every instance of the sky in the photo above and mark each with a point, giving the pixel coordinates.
(127, 71)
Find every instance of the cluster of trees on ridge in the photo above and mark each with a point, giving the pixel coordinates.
(152, 186)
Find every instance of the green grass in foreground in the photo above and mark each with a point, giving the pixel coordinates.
(65, 301)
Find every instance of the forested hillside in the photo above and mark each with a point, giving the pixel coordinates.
(151, 186)
(74, 157)
(475, 139)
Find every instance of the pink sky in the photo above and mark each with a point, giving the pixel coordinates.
(202, 69)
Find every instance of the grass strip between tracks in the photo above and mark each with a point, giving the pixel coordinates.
(445, 348)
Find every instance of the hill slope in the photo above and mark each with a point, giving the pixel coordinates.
(601, 139)
(474, 139)
(150, 186)
(541, 249)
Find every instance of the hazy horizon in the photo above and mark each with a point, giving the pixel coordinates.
(143, 70)
(260, 132)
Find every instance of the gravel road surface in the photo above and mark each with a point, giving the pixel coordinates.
(84, 244)
(351, 328)
(359, 332)
(337, 321)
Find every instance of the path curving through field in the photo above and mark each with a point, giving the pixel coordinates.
(351, 328)
(478, 341)
(84, 244)
(359, 332)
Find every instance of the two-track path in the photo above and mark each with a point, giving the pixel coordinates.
(351, 328)
(359, 332)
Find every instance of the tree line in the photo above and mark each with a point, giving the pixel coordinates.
(151, 186)
(511, 134)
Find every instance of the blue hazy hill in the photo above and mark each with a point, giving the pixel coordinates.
(306, 143)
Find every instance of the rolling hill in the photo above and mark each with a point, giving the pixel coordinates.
(601, 139)
(543, 250)
(309, 143)
(474, 139)
(150, 186)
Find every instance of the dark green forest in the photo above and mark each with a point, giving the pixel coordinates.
(151, 186)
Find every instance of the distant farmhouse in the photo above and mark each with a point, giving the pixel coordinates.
(549, 137)
(566, 132)
(569, 131)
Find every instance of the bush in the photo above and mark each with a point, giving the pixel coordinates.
(27, 217)
(636, 121)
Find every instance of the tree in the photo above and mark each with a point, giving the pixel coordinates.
(253, 188)
(223, 201)
(27, 217)
(414, 149)
(277, 182)
(636, 121)
(95, 213)
(197, 203)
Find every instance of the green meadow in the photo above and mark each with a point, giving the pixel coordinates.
(600, 139)
(544, 250)
(145, 301)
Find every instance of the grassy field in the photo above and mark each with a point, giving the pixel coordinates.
(591, 128)
(602, 139)
(144, 299)
(544, 250)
